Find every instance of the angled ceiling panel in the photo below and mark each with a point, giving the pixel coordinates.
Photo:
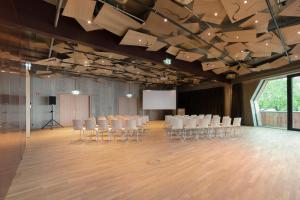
(259, 21)
(240, 9)
(292, 9)
(188, 56)
(173, 50)
(135, 38)
(238, 36)
(212, 10)
(213, 52)
(114, 21)
(172, 10)
(156, 46)
(212, 65)
(177, 40)
(291, 34)
(154, 24)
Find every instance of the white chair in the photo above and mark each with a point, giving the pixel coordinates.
(214, 126)
(226, 124)
(131, 128)
(208, 116)
(189, 127)
(236, 125)
(117, 127)
(176, 128)
(103, 127)
(202, 127)
(90, 126)
(77, 126)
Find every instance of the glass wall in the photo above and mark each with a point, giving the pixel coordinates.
(271, 103)
(12, 124)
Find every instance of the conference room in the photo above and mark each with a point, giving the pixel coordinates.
(154, 99)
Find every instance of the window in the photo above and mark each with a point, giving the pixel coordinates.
(270, 103)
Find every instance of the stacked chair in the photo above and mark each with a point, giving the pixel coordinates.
(117, 127)
(199, 126)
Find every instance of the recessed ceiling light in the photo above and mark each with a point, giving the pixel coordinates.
(298, 32)
(2, 71)
(256, 21)
(165, 20)
(215, 14)
(89, 21)
(237, 37)
(242, 51)
(245, 1)
(267, 44)
(140, 40)
(48, 76)
(102, 61)
(208, 33)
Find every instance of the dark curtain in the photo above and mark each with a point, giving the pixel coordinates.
(237, 100)
(209, 101)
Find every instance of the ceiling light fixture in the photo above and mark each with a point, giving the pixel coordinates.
(215, 14)
(165, 20)
(89, 21)
(208, 33)
(256, 21)
(28, 65)
(129, 95)
(2, 71)
(167, 61)
(140, 40)
(267, 44)
(75, 91)
(245, 1)
(298, 32)
(237, 37)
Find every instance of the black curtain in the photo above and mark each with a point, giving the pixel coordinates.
(209, 101)
(237, 100)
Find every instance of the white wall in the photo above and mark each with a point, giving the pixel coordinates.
(104, 96)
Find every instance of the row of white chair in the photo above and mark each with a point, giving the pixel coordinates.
(123, 127)
(195, 127)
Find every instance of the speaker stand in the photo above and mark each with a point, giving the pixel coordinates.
(52, 123)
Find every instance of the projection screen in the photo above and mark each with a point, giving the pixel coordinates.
(159, 99)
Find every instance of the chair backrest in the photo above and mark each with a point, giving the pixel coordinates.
(77, 124)
(130, 124)
(208, 116)
(203, 123)
(103, 124)
(90, 124)
(191, 123)
(200, 116)
(215, 122)
(116, 124)
(226, 121)
(139, 121)
(237, 121)
(177, 123)
(101, 118)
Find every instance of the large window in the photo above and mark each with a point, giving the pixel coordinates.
(276, 103)
(270, 103)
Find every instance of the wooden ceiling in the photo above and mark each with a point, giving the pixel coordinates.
(205, 39)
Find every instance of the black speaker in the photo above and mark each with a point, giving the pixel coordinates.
(52, 100)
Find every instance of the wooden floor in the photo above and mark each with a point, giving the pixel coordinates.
(263, 164)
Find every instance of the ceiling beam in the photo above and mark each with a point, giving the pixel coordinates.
(37, 15)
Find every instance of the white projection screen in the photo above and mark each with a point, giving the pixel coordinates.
(159, 99)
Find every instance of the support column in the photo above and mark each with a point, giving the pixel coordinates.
(27, 86)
